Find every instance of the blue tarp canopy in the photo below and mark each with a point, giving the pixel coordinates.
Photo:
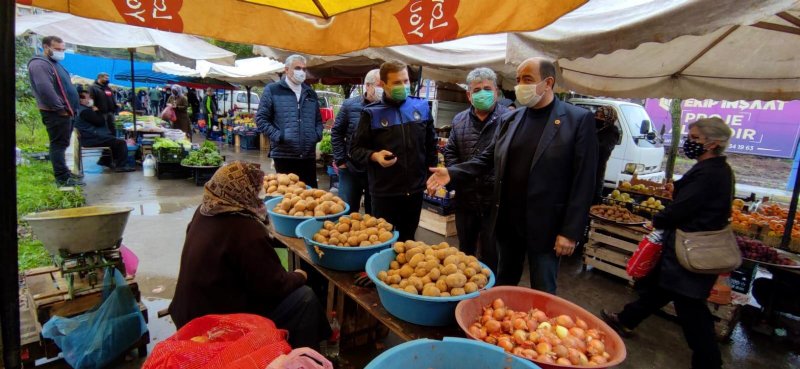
(148, 76)
(90, 66)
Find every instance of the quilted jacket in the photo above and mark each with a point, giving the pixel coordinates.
(293, 127)
(343, 129)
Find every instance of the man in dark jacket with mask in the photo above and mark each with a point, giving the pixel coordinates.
(57, 100)
(104, 100)
(91, 124)
(473, 131)
(396, 142)
(288, 113)
(353, 182)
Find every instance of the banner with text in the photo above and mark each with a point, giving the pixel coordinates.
(766, 128)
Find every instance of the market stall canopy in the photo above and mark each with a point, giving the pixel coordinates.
(263, 22)
(175, 69)
(149, 76)
(726, 49)
(250, 72)
(180, 48)
(90, 66)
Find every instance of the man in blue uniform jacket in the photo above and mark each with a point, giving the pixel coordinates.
(396, 143)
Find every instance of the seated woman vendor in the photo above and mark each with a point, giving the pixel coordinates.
(229, 265)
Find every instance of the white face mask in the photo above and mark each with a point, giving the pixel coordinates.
(89, 103)
(378, 93)
(58, 55)
(526, 94)
(299, 76)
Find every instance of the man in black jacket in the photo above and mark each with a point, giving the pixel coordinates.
(473, 131)
(91, 124)
(57, 100)
(104, 100)
(353, 182)
(544, 156)
(396, 142)
(608, 136)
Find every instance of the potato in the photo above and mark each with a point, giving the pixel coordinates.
(299, 214)
(421, 272)
(442, 285)
(355, 225)
(429, 252)
(385, 236)
(452, 259)
(479, 279)
(411, 289)
(320, 238)
(457, 292)
(445, 294)
(414, 251)
(456, 280)
(318, 193)
(470, 287)
(281, 211)
(372, 231)
(431, 291)
(469, 272)
(394, 279)
(403, 283)
(394, 265)
(474, 265)
(426, 279)
(343, 239)
(373, 238)
(416, 282)
(355, 216)
(415, 260)
(285, 205)
(293, 177)
(272, 189)
(382, 275)
(395, 286)
(449, 269)
(336, 209)
(352, 241)
(399, 247)
(434, 274)
(406, 271)
(318, 213)
(426, 285)
(401, 258)
(486, 272)
(328, 225)
(371, 222)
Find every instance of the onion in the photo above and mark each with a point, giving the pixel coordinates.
(507, 326)
(520, 324)
(520, 336)
(517, 351)
(577, 332)
(532, 324)
(561, 331)
(565, 320)
(596, 347)
(492, 326)
(563, 361)
(593, 333)
(598, 359)
(583, 360)
(544, 359)
(505, 344)
(540, 316)
(491, 340)
(545, 325)
(581, 324)
(530, 354)
(561, 350)
(498, 303)
(477, 332)
(486, 318)
(574, 356)
(499, 313)
(543, 348)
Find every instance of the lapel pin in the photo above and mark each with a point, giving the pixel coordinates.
(557, 122)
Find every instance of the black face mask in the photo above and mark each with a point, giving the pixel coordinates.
(693, 149)
(599, 123)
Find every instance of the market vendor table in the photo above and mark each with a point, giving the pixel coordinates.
(366, 297)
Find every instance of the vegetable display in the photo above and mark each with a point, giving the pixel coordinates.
(207, 155)
(355, 230)
(166, 143)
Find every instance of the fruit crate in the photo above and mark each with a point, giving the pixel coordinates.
(170, 154)
(248, 140)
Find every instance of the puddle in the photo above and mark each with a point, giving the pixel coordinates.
(151, 208)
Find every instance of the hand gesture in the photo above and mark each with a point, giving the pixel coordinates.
(380, 158)
(564, 246)
(438, 179)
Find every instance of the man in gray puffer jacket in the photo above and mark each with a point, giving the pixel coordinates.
(288, 113)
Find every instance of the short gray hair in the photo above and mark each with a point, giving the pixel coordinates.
(714, 129)
(372, 76)
(481, 74)
(293, 58)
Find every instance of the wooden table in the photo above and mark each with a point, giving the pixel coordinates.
(342, 283)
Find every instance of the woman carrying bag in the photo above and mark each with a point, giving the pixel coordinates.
(701, 203)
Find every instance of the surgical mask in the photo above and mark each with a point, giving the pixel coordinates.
(400, 93)
(89, 103)
(57, 55)
(299, 76)
(378, 93)
(693, 149)
(483, 100)
(526, 94)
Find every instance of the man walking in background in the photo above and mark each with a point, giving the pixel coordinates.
(155, 101)
(58, 102)
(288, 113)
(352, 177)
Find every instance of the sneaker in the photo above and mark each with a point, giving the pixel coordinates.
(70, 182)
(612, 319)
(124, 169)
(76, 175)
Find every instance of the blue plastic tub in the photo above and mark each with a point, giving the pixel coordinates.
(345, 259)
(286, 225)
(449, 353)
(417, 309)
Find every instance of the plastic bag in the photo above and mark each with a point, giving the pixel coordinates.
(234, 341)
(646, 256)
(302, 358)
(168, 114)
(95, 338)
(130, 260)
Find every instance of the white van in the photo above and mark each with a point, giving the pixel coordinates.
(239, 102)
(639, 149)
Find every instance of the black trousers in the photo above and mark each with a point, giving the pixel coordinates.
(695, 319)
(59, 130)
(112, 129)
(401, 211)
(302, 314)
(512, 247)
(474, 228)
(306, 169)
(119, 149)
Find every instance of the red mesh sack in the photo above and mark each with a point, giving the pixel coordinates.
(234, 341)
(644, 259)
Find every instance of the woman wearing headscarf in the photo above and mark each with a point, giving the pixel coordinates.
(701, 202)
(229, 265)
(180, 103)
(607, 138)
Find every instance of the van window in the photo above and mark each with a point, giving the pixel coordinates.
(634, 115)
(241, 98)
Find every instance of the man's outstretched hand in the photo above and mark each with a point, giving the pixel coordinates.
(438, 179)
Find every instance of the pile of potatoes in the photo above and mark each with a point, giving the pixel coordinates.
(280, 184)
(355, 230)
(307, 203)
(435, 271)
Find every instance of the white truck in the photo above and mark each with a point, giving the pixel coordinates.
(639, 149)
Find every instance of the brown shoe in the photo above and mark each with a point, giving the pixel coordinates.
(613, 320)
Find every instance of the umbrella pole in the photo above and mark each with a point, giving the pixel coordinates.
(133, 97)
(9, 315)
(787, 231)
(248, 97)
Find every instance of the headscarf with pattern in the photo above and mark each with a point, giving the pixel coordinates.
(235, 188)
(606, 113)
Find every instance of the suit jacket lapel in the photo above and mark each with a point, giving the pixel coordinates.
(550, 131)
(504, 140)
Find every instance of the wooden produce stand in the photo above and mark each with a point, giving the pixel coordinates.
(611, 245)
(444, 225)
(355, 323)
(44, 294)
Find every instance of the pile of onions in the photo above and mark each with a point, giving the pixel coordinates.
(535, 336)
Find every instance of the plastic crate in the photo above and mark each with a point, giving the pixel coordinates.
(170, 154)
(442, 201)
(248, 141)
(132, 150)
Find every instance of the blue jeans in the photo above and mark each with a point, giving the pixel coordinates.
(512, 248)
(352, 186)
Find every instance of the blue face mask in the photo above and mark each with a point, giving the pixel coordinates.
(483, 100)
(400, 93)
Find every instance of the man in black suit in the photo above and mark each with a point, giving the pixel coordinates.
(545, 157)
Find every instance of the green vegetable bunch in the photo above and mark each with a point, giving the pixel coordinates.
(166, 143)
(207, 155)
(325, 145)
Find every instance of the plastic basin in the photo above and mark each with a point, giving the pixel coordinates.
(77, 230)
(417, 309)
(449, 353)
(524, 299)
(286, 225)
(346, 259)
